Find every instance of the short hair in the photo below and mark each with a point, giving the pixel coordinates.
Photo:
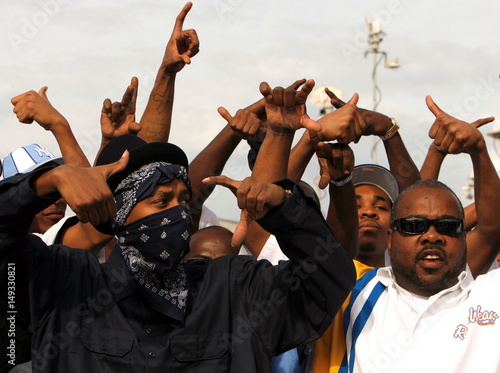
(424, 183)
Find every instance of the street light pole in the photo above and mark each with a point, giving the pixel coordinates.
(375, 37)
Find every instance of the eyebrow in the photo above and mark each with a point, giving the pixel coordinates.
(168, 191)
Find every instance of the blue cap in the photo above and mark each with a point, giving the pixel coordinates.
(26, 159)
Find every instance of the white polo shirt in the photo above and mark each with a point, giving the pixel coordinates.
(392, 330)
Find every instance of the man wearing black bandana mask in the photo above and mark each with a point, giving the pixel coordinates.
(145, 311)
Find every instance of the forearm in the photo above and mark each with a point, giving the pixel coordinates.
(470, 217)
(256, 238)
(432, 163)
(272, 160)
(210, 162)
(343, 218)
(486, 192)
(157, 117)
(70, 149)
(300, 155)
(400, 162)
(84, 236)
(484, 240)
(306, 239)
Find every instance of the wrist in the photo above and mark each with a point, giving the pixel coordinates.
(46, 183)
(168, 69)
(342, 181)
(58, 125)
(280, 131)
(389, 134)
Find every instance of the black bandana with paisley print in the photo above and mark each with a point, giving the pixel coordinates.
(153, 247)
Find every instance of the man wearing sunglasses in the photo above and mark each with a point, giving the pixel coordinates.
(426, 311)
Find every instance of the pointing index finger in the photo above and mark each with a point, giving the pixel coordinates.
(338, 103)
(179, 21)
(225, 114)
(224, 181)
(480, 122)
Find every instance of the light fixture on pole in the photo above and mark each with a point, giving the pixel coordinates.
(375, 37)
(319, 98)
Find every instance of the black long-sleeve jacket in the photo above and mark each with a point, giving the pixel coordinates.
(87, 317)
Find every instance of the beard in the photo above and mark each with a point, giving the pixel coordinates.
(430, 284)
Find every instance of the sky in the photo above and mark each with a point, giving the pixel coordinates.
(86, 51)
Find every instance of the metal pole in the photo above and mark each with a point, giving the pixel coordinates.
(374, 80)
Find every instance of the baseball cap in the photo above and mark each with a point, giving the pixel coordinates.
(381, 177)
(26, 159)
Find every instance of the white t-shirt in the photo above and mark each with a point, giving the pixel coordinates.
(455, 330)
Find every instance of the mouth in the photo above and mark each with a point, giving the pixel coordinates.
(369, 227)
(432, 258)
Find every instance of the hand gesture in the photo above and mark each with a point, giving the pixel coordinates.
(182, 46)
(377, 124)
(452, 135)
(344, 124)
(31, 106)
(335, 161)
(255, 199)
(246, 122)
(118, 118)
(285, 107)
(84, 189)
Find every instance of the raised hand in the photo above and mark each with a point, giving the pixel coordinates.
(118, 118)
(336, 161)
(246, 122)
(452, 135)
(344, 124)
(84, 189)
(182, 46)
(32, 106)
(285, 107)
(255, 199)
(376, 123)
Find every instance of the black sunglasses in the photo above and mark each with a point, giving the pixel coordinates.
(446, 226)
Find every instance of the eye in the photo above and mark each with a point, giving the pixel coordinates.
(380, 207)
(160, 201)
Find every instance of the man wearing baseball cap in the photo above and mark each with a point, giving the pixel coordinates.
(24, 160)
(376, 190)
